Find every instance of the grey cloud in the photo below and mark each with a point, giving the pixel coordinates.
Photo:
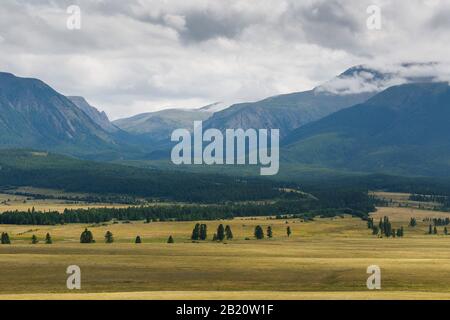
(138, 55)
(201, 26)
(329, 24)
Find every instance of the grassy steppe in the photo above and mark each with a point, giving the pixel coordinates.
(323, 259)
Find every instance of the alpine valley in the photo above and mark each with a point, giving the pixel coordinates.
(385, 124)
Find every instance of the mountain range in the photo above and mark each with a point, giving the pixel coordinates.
(158, 126)
(403, 130)
(364, 120)
(33, 115)
(290, 111)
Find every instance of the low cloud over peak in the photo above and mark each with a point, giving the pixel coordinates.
(375, 78)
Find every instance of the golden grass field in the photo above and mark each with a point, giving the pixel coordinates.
(323, 259)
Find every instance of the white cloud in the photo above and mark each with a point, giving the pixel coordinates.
(141, 55)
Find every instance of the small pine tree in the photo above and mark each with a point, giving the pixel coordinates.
(259, 233)
(34, 239)
(138, 239)
(412, 222)
(269, 232)
(109, 237)
(203, 232)
(86, 236)
(288, 231)
(228, 233)
(435, 230)
(430, 229)
(5, 238)
(170, 240)
(445, 231)
(48, 239)
(196, 232)
(214, 237)
(220, 233)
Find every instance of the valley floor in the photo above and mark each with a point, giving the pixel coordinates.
(235, 295)
(323, 259)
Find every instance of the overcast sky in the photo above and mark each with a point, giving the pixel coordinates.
(143, 55)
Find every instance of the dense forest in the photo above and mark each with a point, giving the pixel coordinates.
(43, 170)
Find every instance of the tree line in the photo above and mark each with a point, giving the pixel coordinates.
(306, 207)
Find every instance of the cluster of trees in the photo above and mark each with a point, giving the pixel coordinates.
(259, 232)
(434, 230)
(304, 207)
(200, 232)
(223, 233)
(384, 228)
(439, 222)
(429, 198)
(34, 239)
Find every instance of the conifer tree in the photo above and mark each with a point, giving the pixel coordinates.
(400, 232)
(386, 227)
(34, 239)
(48, 239)
(220, 233)
(203, 232)
(375, 230)
(259, 233)
(170, 240)
(196, 232)
(445, 231)
(430, 229)
(5, 238)
(86, 236)
(214, 237)
(228, 233)
(109, 237)
(269, 232)
(138, 239)
(288, 231)
(435, 230)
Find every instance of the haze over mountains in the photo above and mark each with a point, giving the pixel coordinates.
(160, 124)
(364, 120)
